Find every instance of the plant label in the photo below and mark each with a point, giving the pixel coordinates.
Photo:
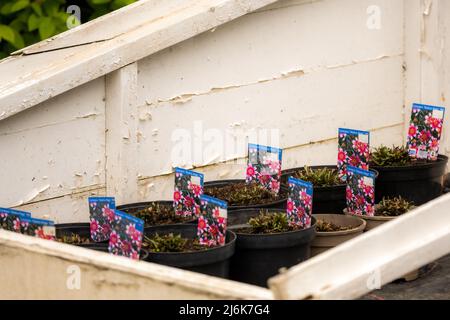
(425, 131)
(264, 166)
(353, 150)
(360, 191)
(299, 203)
(40, 228)
(187, 193)
(126, 235)
(10, 219)
(101, 210)
(212, 223)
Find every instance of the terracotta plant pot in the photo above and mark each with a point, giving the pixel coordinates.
(327, 240)
(371, 222)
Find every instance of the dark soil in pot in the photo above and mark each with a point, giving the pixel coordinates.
(211, 261)
(334, 229)
(327, 197)
(78, 234)
(419, 181)
(155, 213)
(386, 210)
(260, 256)
(240, 195)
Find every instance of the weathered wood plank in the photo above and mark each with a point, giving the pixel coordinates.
(121, 134)
(39, 269)
(373, 259)
(72, 68)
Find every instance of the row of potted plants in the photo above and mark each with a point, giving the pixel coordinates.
(259, 239)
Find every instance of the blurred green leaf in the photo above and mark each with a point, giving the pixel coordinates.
(33, 22)
(7, 33)
(18, 42)
(100, 1)
(19, 5)
(46, 28)
(24, 22)
(37, 9)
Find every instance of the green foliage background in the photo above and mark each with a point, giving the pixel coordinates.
(24, 22)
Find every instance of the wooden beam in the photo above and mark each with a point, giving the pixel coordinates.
(22, 87)
(33, 268)
(376, 258)
(121, 134)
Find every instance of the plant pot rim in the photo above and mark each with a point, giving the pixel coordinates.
(128, 206)
(229, 235)
(271, 210)
(341, 185)
(440, 160)
(280, 200)
(357, 229)
(371, 218)
(272, 235)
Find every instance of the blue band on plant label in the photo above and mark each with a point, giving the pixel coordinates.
(308, 185)
(110, 200)
(268, 149)
(427, 107)
(139, 222)
(355, 132)
(217, 202)
(361, 172)
(15, 212)
(191, 173)
(41, 222)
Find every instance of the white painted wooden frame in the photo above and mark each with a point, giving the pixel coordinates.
(82, 64)
(376, 258)
(33, 268)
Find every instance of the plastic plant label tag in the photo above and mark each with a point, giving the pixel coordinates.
(360, 191)
(353, 150)
(264, 167)
(10, 219)
(126, 235)
(425, 131)
(299, 203)
(101, 210)
(212, 223)
(40, 228)
(188, 189)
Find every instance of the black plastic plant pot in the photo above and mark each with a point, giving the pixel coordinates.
(280, 203)
(82, 229)
(419, 183)
(325, 199)
(260, 256)
(213, 261)
(132, 208)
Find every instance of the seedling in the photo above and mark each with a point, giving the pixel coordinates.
(242, 194)
(324, 226)
(393, 207)
(390, 157)
(171, 243)
(266, 223)
(319, 177)
(159, 214)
